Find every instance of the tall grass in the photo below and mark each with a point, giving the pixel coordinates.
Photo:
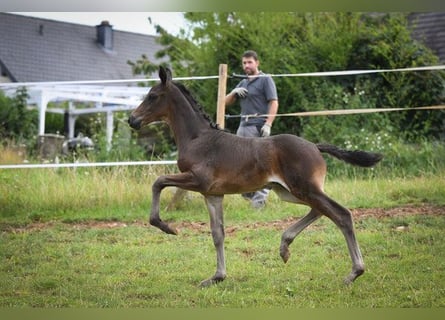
(122, 193)
(40, 193)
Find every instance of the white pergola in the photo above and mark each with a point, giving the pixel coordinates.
(106, 99)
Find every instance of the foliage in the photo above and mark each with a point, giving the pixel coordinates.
(16, 121)
(401, 159)
(124, 146)
(387, 44)
(311, 42)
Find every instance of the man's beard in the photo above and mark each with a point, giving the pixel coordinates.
(249, 71)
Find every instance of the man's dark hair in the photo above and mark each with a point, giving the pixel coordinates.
(250, 54)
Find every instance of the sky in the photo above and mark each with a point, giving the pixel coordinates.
(124, 21)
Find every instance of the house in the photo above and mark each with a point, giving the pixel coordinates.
(35, 49)
(429, 29)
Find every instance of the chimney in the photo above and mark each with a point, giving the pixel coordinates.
(104, 34)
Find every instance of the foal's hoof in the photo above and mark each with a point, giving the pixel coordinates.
(163, 226)
(167, 229)
(284, 252)
(211, 281)
(352, 276)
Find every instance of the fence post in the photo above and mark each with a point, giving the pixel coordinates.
(221, 104)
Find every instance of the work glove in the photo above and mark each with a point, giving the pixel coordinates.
(265, 130)
(240, 92)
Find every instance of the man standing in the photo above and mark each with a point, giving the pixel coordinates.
(257, 94)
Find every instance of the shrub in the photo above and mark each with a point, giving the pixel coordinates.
(16, 121)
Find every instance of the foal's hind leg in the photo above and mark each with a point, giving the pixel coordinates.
(290, 234)
(342, 217)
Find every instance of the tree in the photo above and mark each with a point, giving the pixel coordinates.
(289, 42)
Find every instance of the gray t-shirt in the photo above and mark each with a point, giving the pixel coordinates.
(260, 91)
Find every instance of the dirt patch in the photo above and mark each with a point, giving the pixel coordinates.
(399, 211)
(102, 224)
(357, 214)
(77, 225)
(204, 226)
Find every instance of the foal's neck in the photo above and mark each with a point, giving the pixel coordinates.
(186, 122)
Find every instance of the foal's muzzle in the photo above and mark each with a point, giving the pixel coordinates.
(134, 122)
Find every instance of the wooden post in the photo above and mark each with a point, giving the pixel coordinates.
(177, 197)
(222, 86)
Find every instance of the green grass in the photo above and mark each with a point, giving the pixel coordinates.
(138, 266)
(53, 255)
(388, 192)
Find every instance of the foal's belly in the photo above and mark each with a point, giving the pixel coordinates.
(241, 183)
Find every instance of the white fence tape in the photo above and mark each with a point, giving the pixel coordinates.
(95, 82)
(85, 164)
(337, 112)
(347, 72)
(309, 74)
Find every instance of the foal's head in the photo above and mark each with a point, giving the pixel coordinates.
(155, 105)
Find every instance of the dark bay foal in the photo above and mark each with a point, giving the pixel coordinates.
(214, 163)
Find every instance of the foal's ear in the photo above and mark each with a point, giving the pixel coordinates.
(165, 75)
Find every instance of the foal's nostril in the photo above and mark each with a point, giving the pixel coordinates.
(132, 121)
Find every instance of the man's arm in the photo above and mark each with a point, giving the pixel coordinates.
(273, 109)
(230, 98)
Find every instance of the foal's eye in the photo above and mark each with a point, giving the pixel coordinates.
(151, 97)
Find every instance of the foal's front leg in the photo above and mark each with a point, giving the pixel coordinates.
(215, 207)
(181, 180)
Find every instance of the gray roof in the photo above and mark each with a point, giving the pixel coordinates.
(35, 49)
(429, 28)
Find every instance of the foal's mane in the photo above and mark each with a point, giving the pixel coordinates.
(196, 105)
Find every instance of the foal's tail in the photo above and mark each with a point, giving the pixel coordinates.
(356, 157)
